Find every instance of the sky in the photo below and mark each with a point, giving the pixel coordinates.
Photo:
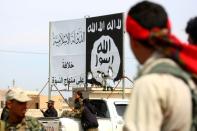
(24, 33)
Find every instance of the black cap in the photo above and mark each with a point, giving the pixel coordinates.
(50, 101)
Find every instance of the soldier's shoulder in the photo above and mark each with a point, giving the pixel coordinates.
(33, 123)
(30, 118)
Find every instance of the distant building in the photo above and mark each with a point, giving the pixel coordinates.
(39, 101)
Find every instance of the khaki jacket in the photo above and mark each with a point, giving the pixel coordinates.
(159, 102)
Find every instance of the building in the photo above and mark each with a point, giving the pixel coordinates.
(39, 101)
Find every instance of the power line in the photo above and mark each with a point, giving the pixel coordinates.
(23, 52)
(36, 53)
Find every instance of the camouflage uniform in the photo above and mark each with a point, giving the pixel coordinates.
(27, 124)
(73, 113)
(76, 112)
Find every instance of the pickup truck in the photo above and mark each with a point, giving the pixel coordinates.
(109, 114)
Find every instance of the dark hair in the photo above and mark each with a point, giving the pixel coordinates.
(80, 94)
(149, 14)
(191, 29)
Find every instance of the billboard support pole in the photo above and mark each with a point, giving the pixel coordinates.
(123, 67)
(50, 87)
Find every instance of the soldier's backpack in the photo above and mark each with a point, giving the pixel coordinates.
(165, 67)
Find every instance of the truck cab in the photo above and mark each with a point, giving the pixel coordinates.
(109, 115)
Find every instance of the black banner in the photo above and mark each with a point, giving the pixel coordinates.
(104, 48)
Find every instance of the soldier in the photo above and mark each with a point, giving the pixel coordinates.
(17, 121)
(191, 30)
(160, 88)
(51, 111)
(76, 111)
(89, 121)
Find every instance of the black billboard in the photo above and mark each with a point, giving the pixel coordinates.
(104, 48)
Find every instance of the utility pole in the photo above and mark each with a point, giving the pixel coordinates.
(13, 83)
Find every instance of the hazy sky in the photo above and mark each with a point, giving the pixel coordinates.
(24, 27)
